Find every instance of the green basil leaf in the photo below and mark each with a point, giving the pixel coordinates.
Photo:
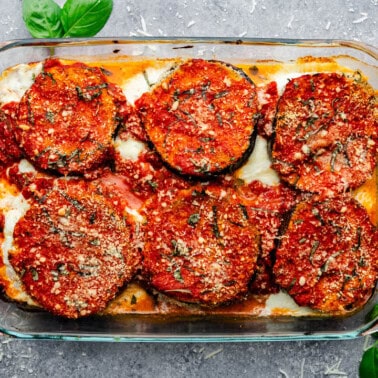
(85, 18)
(369, 363)
(42, 18)
(373, 314)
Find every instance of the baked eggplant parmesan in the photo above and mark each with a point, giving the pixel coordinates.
(201, 117)
(208, 253)
(327, 257)
(111, 208)
(67, 118)
(326, 132)
(73, 249)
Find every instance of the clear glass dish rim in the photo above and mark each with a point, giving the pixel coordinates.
(363, 330)
(30, 42)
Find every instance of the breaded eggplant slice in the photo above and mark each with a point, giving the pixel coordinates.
(200, 247)
(267, 207)
(67, 119)
(73, 248)
(200, 118)
(327, 257)
(326, 133)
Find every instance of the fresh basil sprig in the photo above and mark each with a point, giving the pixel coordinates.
(77, 18)
(369, 362)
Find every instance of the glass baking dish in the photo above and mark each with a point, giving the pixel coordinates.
(34, 324)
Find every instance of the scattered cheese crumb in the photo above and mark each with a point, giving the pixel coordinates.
(142, 32)
(212, 354)
(190, 24)
(290, 22)
(143, 23)
(361, 19)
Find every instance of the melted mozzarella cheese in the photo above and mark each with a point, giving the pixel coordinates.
(282, 78)
(129, 149)
(14, 206)
(258, 166)
(136, 215)
(282, 304)
(143, 82)
(15, 81)
(24, 166)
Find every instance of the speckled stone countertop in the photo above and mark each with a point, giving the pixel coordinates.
(339, 19)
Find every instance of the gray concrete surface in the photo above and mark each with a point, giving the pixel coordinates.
(346, 19)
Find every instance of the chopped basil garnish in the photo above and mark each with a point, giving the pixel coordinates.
(193, 219)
